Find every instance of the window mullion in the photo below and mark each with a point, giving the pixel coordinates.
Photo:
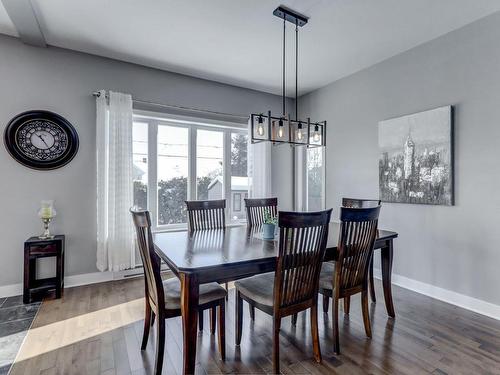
(323, 185)
(153, 172)
(192, 163)
(226, 170)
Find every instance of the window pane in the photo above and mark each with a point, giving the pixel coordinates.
(315, 179)
(140, 164)
(209, 161)
(172, 174)
(239, 177)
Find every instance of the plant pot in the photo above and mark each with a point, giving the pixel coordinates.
(268, 231)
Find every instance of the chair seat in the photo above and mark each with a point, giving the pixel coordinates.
(208, 293)
(326, 276)
(258, 288)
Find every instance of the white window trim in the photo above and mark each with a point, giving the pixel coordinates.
(153, 120)
(145, 116)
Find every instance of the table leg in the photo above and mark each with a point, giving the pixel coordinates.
(59, 275)
(189, 307)
(371, 283)
(386, 256)
(27, 273)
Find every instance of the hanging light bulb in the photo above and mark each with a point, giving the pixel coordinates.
(299, 131)
(260, 127)
(280, 128)
(316, 135)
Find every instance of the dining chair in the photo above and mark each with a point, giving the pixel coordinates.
(361, 203)
(203, 215)
(348, 275)
(256, 208)
(209, 214)
(294, 286)
(163, 298)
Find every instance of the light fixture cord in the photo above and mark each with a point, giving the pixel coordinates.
(284, 36)
(296, 69)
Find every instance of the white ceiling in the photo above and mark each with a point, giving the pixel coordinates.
(239, 41)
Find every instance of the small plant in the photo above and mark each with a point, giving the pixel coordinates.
(269, 226)
(269, 219)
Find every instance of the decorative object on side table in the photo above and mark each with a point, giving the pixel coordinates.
(416, 158)
(269, 226)
(41, 140)
(35, 248)
(47, 212)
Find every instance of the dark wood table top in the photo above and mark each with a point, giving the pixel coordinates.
(212, 249)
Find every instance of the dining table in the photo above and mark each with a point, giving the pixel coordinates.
(232, 253)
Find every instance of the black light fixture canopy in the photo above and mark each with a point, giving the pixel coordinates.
(290, 15)
(283, 129)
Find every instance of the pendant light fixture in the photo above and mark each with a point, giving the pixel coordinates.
(283, 129)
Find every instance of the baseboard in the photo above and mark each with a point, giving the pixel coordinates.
(82, 279)
(11, 290)
(461, 300)
(69, 281)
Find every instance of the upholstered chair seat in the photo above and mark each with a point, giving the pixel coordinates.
(326, 275)
(208, 293)
(258, 288)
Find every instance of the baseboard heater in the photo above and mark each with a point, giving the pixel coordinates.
(140, 272)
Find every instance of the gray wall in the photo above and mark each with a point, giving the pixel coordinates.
(456, 248)
(62, 81)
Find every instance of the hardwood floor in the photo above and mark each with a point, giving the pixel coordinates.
(97, 329)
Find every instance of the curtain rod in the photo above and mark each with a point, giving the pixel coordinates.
(97, 94)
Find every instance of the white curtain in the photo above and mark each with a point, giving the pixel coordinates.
(259, 168)
(115, 232)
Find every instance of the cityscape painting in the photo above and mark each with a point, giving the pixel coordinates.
(416, 158)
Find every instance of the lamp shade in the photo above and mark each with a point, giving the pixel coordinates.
(316, 134)
(260, 127)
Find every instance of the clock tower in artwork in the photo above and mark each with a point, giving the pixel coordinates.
(409, 156)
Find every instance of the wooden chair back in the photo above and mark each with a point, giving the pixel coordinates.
(358, 231)
(256, 207)
(360, 203)
(209, 214)
(150, 260)
(302, 245)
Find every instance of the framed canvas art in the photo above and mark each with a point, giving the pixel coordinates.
(416, 158)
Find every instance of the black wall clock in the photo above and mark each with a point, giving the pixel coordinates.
(41, 140)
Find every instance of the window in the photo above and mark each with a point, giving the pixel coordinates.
(209, 164)
(239, 173)
(176, 159)
(140, 166)
(310, 179)
(172, 174)
(315, 179)
(236, 202)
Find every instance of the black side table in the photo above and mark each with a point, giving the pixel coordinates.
(34, 248)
